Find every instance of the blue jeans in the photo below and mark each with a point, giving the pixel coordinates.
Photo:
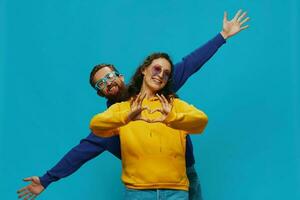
(156, 194)
(195, 187)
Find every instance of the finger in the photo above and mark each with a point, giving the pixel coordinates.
(237, 14)
(33, 197)
(166, 104)
(28, 196)
(245, 20)
(28, 179)
(138, 96)
(156, 110)
(136, 100)
(137, 113)
(139, 99)
(21, 195)
(131, 101)
(165, 99)
(140, 102)
(162, 101)
(22, 189)
(143, 119)
(225, 17)
(242, 16)
(145, 108)
(159, 97)
(157, 120)
(244, 27)
(142, 97)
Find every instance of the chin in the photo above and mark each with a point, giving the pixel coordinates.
(156, 88)
(114, 94)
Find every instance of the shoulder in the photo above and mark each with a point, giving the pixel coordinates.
(176, 100)
(179, 103)
(120, 105)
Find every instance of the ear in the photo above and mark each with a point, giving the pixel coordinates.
(143, 70)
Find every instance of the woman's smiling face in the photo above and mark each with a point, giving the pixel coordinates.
(157, 74)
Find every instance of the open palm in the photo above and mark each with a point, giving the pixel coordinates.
(235, 25)
(32, 190)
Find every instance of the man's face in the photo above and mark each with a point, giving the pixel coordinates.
(112, 85)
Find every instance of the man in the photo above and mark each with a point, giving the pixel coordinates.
(110, 84)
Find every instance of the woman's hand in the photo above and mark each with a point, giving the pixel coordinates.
(165, 110)
(136, 109)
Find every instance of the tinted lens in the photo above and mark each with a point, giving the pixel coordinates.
(166, 76)
(110, 76)
(101, 84)
(156, 70)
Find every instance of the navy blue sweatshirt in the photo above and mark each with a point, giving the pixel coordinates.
(92, 146)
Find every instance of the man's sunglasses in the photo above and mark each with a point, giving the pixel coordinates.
(102, 83)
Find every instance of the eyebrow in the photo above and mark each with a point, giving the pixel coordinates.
(158, 65)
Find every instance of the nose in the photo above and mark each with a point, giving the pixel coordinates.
(161, 74)
(109, 82)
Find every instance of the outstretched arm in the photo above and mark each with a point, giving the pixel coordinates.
(89, 148)
(195, 60)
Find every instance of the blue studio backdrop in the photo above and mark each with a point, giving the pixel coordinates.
(249, 89)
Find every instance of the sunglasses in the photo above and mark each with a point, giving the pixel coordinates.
(157, 69)
(102, 83)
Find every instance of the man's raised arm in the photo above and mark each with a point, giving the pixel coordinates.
(195, 60)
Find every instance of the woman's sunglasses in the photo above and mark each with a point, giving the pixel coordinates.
(157, 69)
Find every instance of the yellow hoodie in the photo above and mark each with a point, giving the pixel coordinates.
(153, 154)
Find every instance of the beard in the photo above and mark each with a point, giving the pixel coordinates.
(119, 95)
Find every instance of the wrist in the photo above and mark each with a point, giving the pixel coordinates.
(128, 118)
(224, 35)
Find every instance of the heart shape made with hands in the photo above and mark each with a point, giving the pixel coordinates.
(149, 118)
(152, 111)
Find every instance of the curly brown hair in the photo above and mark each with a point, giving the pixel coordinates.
(136, 81)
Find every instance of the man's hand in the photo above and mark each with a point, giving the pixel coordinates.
(32, 190)
(234, 26)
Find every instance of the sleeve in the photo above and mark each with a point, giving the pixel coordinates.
(186, 117)
(89, 148)
(191, 63)
(107, 123)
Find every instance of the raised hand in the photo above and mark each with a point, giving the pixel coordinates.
(32, 190)
(234, 26)
(164, 110)
(136, 109)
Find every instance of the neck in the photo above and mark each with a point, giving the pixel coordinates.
(149, 93)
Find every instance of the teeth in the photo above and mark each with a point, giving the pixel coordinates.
(156, 80)
(111, 87)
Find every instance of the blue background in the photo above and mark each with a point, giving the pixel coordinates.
(249, 89)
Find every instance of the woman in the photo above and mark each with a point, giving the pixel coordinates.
(152, 125)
